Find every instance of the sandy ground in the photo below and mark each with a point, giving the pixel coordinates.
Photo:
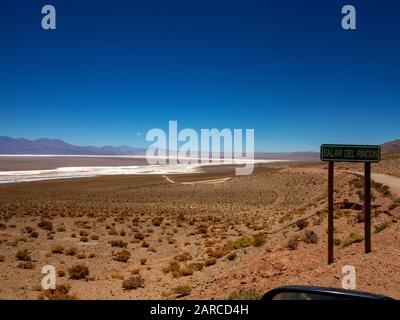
(212, 234)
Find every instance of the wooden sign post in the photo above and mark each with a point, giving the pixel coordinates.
(350, 153)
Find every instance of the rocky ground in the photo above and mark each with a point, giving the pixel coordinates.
(145, 237)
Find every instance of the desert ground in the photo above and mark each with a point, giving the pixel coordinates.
(208, 235)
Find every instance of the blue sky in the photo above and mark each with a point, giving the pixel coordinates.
(114, 69)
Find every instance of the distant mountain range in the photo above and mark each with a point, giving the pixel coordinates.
(43, 146)
(392, 146)
(58, 147)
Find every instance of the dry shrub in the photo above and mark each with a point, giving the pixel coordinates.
(26, 265)
(57, 249)
(293, 243)
(310, 237)
(60, 293)
(118, 243)
(45, 225)
(182, 291)
(302, 224)
(184, 256)
(71, 251)
(122, 256)
(133, 282)
(78, 271)
(23, 255)
(156, 221)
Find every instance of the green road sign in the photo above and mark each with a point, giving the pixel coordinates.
(350, 153)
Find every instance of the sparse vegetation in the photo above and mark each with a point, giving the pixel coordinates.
(293, 243)
(45, 225)
(122, 256)
(352, 238)
(57, 249)
(381, 227)
(133, 282)
(78, 272)
(23, 255)
(310, 237)
(60, 293)
(118, 243)
(302, 224)
(246, 295)
(182, 291)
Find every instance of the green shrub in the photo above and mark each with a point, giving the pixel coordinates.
(246, 295)
(381, 227)
(352, 238)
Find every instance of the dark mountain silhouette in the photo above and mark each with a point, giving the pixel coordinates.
(58, 147)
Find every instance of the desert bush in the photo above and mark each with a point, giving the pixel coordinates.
(360, 217)
(302, 224)
(71, 251)
(246, 295)
(184, 256)
(84, 239)
(34, 234)
(182, 291)
(23, 255)
(81, 255)
(133, 282)
(310, 237)
(83, 233)
(143, 261)
(118, 243)
(78, 271)
(61, 273)
(57, 249)
(293, 243)
(94, 237)
(139, 236)
(2, 258)
(232, 256)
(259, 239)
(26, 265)
(210, 262)
(60, 293)
(156, 221)
(145, 244)
(172, 267)
(185, 272)
(45, 225)
(352, 238)
(122, 256)
(196, 266)
(242, 242)
(28, 229)
(381, 227)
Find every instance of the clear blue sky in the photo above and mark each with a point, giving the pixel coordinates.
(113, 69)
